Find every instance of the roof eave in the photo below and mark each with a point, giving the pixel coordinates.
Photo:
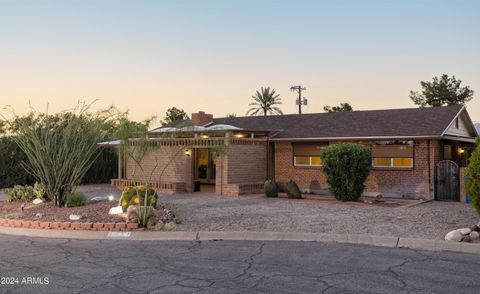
(358, 138)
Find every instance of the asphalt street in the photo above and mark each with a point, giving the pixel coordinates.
(41, 265)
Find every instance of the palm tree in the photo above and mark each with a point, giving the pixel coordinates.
(264, 102)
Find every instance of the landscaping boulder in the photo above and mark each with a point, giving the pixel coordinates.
(116, 210)
(37, 201)
(75, 217)
(132, 214)
(474, 235)
(465, 231)
(454, 236)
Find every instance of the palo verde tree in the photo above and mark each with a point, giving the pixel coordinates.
(162, 151)
(264, 102)
(473, 177)
(442, 91)
(343, 107)
(60, 148)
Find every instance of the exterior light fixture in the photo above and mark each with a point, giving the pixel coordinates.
(188, 152)
(111, 198)
(239, 135)
(204, 136)
(461, 150)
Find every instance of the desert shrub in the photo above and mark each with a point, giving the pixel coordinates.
(473, 177)
(75, 199)
(104, 168)
(292, 190)
(271, 188)
(11, 170)
(136, 196)
(346, 166)
(25, 193)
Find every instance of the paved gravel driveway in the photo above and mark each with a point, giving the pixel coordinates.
(258, 213)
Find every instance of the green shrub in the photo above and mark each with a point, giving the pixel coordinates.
(136, 196)
(11, 170)
(271, 188)
(346, 166)
(292, 190)
(281, 187)
(25, 193)
(473, 177)
(75, 199)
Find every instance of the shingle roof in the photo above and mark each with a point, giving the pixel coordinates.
(411, 122)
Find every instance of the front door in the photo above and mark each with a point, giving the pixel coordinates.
(205, 166)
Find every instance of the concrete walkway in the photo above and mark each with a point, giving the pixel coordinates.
(383, 241)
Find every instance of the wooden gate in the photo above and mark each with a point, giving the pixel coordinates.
(447, 181)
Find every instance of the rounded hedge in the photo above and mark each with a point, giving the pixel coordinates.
(346, 166)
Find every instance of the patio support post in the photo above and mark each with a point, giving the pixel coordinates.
(120, 164)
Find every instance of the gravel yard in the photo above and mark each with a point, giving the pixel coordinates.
(207, 212)
(431, 220)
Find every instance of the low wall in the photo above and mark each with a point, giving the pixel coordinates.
(163, 187)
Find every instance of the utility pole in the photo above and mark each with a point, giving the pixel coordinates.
(299, 90)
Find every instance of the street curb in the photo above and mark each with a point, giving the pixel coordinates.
(381, 241)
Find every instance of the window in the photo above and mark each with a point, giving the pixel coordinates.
(307, 154)
(393, 154)
(307, 161)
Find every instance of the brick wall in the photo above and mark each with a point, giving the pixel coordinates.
(407, 183)
(178, 171)
(242, 170)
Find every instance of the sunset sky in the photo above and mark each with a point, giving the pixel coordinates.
(147, 56)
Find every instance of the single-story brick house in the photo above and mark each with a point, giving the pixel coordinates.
(407, 147)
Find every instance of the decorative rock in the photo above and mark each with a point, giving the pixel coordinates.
(132, 214)
(464, 231)
(116, 210)
(379, 198)
(38, 215)
(454, 236)
(475, 228)
(474, 235)
(37, 201)
(75, 217)
(466, 238)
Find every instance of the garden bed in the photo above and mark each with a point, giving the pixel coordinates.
(92, 212)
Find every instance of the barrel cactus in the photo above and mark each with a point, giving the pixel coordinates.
(292, 190)
(271, 188)
(136, 196)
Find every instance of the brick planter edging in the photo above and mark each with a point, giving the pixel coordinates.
(30, 224)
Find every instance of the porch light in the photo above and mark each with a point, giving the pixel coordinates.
(188, 152)
(239, 135)
(204, 136)
(461, 150)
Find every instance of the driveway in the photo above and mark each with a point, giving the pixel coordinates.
(431, 220)
(111, 266)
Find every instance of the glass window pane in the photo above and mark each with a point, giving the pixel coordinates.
(316, 160)
(302, 160)
(382, 161)
(403, 162)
